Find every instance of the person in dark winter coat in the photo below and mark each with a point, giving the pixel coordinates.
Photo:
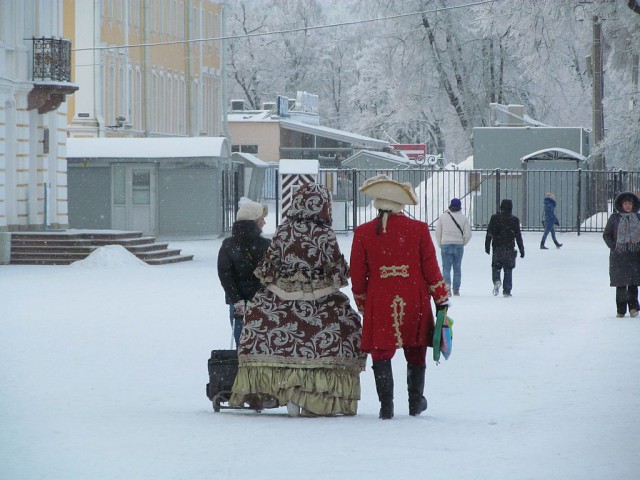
(503, 233)
(549, 220)
(238, 258)
(622, 236)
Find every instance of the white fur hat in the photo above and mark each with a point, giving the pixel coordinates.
(381, 187)
(251, 211)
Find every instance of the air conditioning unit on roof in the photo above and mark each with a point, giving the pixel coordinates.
(237, 105)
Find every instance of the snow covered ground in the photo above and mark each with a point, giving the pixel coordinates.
(103, 367)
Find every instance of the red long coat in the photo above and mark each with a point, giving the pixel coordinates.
(394, 275)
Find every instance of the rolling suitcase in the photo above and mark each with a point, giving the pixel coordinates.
(223, 368)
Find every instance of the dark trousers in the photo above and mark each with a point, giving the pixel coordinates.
(549, 230)
(503, 259)
(507, 281)
(236, 325)
(413, 355)
(626, 296)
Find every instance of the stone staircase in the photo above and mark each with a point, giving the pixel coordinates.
(63, 247)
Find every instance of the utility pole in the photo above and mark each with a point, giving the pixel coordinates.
(634, 76)
(598, 164)
(598, 113)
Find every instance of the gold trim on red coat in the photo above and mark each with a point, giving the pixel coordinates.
(397, 307)
(433, 288)
(394, 271)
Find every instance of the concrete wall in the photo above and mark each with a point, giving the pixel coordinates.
(90, 197)
(199, 213)
(264, 134)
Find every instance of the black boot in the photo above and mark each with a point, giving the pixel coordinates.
(415, 387)
(384, 385)
(542, 247)
(558, 245)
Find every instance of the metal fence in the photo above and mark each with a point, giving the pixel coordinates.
(584, 197)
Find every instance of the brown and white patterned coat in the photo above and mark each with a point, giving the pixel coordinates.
(300, 343)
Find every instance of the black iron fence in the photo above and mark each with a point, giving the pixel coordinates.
(584, 197)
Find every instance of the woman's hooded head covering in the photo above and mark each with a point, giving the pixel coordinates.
(627, 196)
(311, 202)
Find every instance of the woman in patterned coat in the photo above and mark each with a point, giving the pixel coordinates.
(300, 345)
(394, 277)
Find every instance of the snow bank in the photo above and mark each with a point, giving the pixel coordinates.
(109, 256)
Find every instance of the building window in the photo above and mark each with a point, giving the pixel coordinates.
(252, 149)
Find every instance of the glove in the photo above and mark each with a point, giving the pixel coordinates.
(557, 223)
(488, 251)
(239, 308)
(443, 306)
(522, 254)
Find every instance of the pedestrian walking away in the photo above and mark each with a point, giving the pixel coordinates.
(453, 232)
(394, 277)
(622, 236)
(503, 233)
(549, 220)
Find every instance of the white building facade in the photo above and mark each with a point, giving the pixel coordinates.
(34, 85)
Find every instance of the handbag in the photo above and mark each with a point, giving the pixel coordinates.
(442, 336)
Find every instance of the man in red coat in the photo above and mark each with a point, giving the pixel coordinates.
(394, 276)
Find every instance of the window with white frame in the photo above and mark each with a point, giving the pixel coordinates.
(130, 93)
(122, 93)
(169, 102)
(154, 102)
(111, 90)
(162, 102)
(138, 99)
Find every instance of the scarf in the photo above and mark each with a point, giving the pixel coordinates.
(628, 237)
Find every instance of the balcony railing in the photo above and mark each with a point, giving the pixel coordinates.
(51, 59)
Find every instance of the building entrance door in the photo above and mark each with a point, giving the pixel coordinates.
(134, 198)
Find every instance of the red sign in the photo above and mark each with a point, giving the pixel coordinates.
(415, 151)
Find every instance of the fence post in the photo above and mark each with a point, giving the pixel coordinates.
(277, 196)
(578, 202)
(524, 196)
(354, 196)
(497, 190)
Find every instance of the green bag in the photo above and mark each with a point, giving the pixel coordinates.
(442, 336)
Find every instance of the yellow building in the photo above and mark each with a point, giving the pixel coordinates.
(146, 67)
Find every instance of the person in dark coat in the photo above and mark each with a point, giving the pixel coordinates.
(503, 233)
(238, 258)
(549, 220)
(622, 236)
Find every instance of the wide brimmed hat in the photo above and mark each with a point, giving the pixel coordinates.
(384, 188)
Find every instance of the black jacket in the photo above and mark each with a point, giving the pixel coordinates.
(237, 259)
(503, 231)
